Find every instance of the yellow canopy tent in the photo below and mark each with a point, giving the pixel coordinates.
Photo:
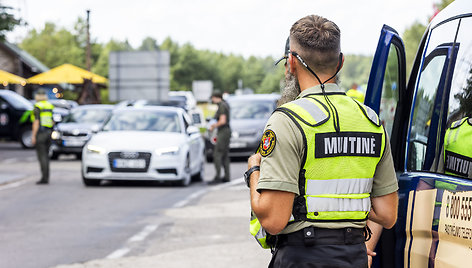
(8, 78)
(66, 73)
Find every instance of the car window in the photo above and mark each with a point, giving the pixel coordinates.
(92, 116)
(144, 121)
(460, 97)
(424, 129)
(250, 109)
(390, 96)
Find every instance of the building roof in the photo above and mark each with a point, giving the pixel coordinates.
(32, 62)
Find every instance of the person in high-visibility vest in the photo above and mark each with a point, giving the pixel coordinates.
(42, 129)
(456, 156)
(324, 166)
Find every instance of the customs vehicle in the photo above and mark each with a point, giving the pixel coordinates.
(434, 226)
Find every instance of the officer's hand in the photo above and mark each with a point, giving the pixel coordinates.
(33, 140)
(370, 255)
(254, 160)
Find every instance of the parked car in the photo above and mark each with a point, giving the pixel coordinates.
(15, 121)
(248, 117)
(434, 214)
(71, 134)
(147, 143)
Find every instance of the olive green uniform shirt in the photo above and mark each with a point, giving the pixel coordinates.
(223, 109)
(280, 169)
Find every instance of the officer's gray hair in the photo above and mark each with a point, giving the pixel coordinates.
(318, 41)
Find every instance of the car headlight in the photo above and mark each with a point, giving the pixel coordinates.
(55, 135)
(168, 150)
(95, 149)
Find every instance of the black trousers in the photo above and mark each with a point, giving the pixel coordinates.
(327, 248)
(43, 142)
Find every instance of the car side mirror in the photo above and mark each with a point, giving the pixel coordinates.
(192, 130)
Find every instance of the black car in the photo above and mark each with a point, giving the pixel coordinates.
(70, 136)
(15, 121)
(248, 117)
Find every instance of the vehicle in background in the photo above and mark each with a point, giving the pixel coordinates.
(185, 96)
(248, 117)
(181, 99)
(145, 143)
(15, 118)
(434, 214)
(65, 104)
(70, 135)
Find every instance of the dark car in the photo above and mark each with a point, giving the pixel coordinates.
(70, 136)
(248, 117)
(15, 122)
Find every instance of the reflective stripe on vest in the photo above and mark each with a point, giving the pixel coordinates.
(258, 232)
(45, 113)
(338, 169)
(458, 148)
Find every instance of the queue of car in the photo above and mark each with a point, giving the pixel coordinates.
(139, 139)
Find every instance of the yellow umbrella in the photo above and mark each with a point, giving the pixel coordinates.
(8, 78)
(66, 73)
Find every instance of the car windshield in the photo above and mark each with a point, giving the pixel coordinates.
(93, 116)
(244, 109)
(166, 121)
(18, 101)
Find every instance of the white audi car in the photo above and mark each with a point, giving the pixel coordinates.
(148, 143)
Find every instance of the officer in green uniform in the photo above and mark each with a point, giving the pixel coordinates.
(221, 150)
(325, 162)
(457, 153)
(42, 129)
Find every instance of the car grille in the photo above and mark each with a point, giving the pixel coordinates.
(129, 156)
(70, 134)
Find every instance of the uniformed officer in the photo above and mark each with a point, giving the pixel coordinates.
(325, 162)
(42, 129)
(221, 149)
(457, 154)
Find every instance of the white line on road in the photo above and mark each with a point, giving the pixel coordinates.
(12, 185)
(189, 198)
(145, 232)
(118, 253)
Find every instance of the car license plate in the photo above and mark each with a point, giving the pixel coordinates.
(129, 163)
(237, 145)
(72, 143)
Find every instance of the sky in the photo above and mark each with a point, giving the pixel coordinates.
(243, 27)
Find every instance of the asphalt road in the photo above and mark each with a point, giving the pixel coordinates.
(65, 222)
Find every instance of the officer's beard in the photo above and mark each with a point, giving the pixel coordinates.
(291, 89)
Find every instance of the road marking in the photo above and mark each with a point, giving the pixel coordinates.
(189, 198)
(13, 185)
(195, 195)
(145, 232)
(118, 253)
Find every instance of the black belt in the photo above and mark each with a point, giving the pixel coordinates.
(311, 236)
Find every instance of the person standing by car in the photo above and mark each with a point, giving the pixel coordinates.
(325, 162)
(221, 150)
(456, 158)
(42, 129)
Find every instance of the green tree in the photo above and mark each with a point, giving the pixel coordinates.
(7, 21)
(54, 46)
(149, 44)
(412, 37)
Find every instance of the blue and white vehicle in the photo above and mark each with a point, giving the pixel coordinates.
(434, 227)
